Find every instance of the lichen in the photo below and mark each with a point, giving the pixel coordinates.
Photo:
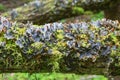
(60, 47)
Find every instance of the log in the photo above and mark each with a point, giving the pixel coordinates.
(54, 10)
(81, 48)
(9, 4)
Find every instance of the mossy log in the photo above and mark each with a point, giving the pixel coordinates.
(9, 4)
(54, 10)
(81, 48)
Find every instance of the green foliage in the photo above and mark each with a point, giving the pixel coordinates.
(97, 16)
(49, 76)
(100, 78)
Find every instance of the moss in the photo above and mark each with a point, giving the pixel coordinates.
(57, 54)
(37, 45)
(78, 10)
(88, 13)
(27, 12)
(60, 34)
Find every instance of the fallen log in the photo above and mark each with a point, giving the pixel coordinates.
(9, 4)
(54, 10)
(81, 48)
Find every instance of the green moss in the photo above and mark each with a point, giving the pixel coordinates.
(54, 60)
(26, 12)
(88, 13)
(60, 34)
(37, 45)
(78, 10)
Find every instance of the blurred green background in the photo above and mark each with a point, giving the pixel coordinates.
(49, 76)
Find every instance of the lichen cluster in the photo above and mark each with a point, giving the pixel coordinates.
(45, 47)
